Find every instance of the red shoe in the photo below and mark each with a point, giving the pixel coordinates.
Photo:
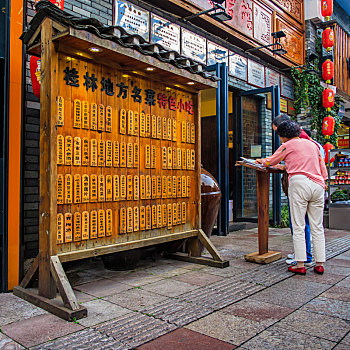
(297, 270)
(319, 270)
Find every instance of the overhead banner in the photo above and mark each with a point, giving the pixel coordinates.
(194, 46)
(165, 33)
(132, 18)
(216, 54)
(238, 66)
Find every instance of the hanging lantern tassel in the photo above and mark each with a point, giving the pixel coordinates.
(328, 146)
(327, 71)
(35, 74)
(328, 126)
(328, 99)
(328, 39)
(327, 9)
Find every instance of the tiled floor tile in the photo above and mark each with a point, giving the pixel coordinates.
(346, 339)
(7, 343)
(198, 278)
(102, 287)
(337, 292)
(291, 292)
(186, 339)
(331, 307)
(339, 262)
(317, 325)
(101, 311)
(326, 278)
(169, 287)
(135, 299)
(257, 311)
(228, 328)
(14, 309)
(39, 329)
(278, 338)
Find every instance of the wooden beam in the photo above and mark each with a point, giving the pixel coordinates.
(63, 285)
(87, 253)
(198, 260)
(209, 246)
(48, 157)
(30, 273)
(52, 306)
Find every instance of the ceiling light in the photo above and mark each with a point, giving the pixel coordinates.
(221, 16)
(191, 83)
(167, 88)
(125, 76)
(95, 49)
(150, 69)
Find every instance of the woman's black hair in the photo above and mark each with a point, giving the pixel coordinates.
(289, 129)
(280, 119)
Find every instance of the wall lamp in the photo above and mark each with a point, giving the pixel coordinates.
(276, 47)
(219, 14)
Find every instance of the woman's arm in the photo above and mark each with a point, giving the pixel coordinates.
(275, 159)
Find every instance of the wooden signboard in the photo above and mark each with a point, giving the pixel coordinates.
(109, 140)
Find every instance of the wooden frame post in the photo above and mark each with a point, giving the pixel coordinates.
(263, 256)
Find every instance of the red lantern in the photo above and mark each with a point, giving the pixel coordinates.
(327, 9)
(327, 71)
(326, 148)
(35, 74)
(58, 3)
(328, 99)
(328, 39)
(328, 126)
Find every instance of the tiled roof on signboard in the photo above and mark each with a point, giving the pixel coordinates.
(46, 9)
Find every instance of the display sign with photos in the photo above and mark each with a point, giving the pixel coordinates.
(287, 87)
(238, 66)
(272, 78)
(256, 74)
(193, 46)
(216, 54)
(165, 33)
(132, 18)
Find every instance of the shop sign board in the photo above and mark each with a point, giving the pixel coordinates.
(287, 87)
(118, 157)
(343, 143)
(238, 66)
(283, 105)
(165, 33)
(256, 74)
(132, 18)
(272, 78)
(193, 46)
(216, 54)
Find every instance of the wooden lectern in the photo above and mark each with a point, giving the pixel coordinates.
(263, 256)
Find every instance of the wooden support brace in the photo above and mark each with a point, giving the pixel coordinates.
(30, 273)
(63, 285)
(209, 246)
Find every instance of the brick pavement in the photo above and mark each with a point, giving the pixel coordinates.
(176, 305)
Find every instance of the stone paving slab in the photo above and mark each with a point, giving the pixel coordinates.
(87, 339)
(317, 325)
(15, 309)
(138, 278)
(346, 339)
(39, 329)
(185, 339)
(280, 338)
(339, 262)
(100, 311)
(226, 327)
(7, 343)
(169, 287)
(102, 287)
(135, 329)
(257, 311)
(337, 292)
(135, 299)
(327, 278)
(331, 307)
(197, 278)
(291, 292)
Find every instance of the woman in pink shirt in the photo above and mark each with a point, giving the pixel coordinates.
(307, 175)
